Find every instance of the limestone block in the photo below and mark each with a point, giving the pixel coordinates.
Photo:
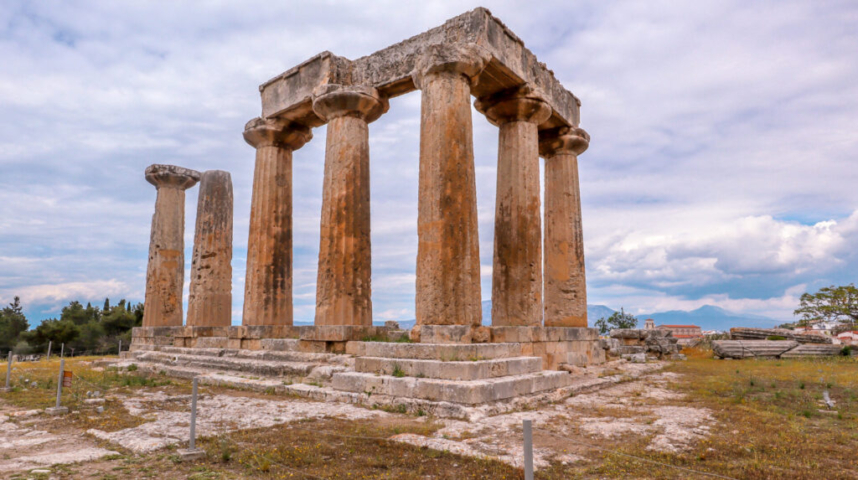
(251, 344)
(312, 346)
(627, 333)
(210, 342)
(481, 335)
(513, 334)
(280, 344)
(445, 334)
(457, 370)
(428, 351)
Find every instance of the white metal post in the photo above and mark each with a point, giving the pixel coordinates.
(8, 369)
(528, 450)
(49, 349)
(60, 382)
(192, 444)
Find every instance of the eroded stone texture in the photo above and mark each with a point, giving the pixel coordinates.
(448, 259)
(210, 300)
(343, 290)
(565, 282)
(517, 263)
(166, 270)
(268, 285)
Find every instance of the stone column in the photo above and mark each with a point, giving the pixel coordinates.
(448, 255)
(210, 300)
(268, 284)
(166, 271)
(565, 282)
(517, 263)
(343, 291)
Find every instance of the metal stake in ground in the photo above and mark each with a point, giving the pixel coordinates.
(193, 453)
(58, 410)
(120, 347)
(8, 372)
(528, 450)
(63, 350)
(49, 349)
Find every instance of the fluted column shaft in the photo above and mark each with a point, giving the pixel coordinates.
(448, 256)
(268, 283)
(343, 287)
(565, 279)
(210, 299)
(517, 261)
(165, 272)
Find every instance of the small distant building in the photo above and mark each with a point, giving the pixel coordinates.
(649, 324)
(683, 331)
(848, 338)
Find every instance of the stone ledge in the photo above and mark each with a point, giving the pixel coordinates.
(476, 370)
(473, 392)
(429, 351)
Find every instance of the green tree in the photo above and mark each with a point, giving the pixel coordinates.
(829, 304)
(13, 323)
(118, 320)
(619, 319)
(106, 305)
(53, 330)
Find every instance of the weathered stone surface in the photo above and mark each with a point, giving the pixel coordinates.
(446, 333)
(466, 392)
(343, 291)
(448, 257)
(511, 65)
(751, 348)
(428, 351)
(565, 282)
(517, 263)
(166, 270)
(268, 285)
(210, 299)
(462, 370)
(813, 350)
(742, 333)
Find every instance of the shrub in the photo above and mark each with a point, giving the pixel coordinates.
(846, 351)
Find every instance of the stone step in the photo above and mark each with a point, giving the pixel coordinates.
(472, 392)
(477, 370)
(751, 348)
(271, 355)
(813, 350)
(433, 351)
(248, 366)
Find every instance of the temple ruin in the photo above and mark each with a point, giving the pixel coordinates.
(539, 328)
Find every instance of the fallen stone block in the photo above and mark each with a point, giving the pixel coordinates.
(751, 348)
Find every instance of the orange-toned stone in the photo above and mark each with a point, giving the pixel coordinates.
(166, 270)
(448, 257)
(210, 299)
(517, 262)
(268, 284)
(565, 280)
(343, 289)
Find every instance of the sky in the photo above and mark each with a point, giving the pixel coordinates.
(722, 170)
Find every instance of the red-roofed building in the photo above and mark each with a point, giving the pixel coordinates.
(848, 338)
(683, 331)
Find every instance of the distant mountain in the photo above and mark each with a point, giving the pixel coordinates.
(709, 317)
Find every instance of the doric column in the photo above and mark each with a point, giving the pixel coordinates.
(166, 271)
(268, 284)
(448, 255)
(565, 282)
(517, 263)
(343, 291)
(210, 300)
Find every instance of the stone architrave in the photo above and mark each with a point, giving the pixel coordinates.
(565, 281)
(448, 257)
(343, 290)
(210, 300)
(166, 270)
(268, 284)
(517, 262)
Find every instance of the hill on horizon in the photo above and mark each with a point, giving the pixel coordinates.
(707, 317)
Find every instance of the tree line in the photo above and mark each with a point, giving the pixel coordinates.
(83, 329)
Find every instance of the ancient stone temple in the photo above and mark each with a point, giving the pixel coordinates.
(539, 315)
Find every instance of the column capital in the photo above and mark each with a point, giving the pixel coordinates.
(331, 101)
(262, 132)
(171, 176)
(466, 60)
(521, 104)
(569, 140)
